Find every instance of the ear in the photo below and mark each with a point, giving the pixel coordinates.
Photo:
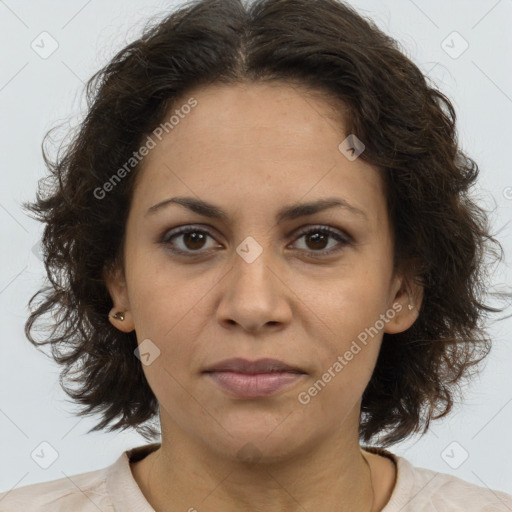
(407, 297)
(116, 284)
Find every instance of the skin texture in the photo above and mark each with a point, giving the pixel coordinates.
(252, 149)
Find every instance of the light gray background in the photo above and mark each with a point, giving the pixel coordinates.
(36, 94)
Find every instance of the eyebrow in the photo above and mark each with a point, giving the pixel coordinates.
(286, 213)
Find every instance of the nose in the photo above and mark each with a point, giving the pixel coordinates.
(255, 294)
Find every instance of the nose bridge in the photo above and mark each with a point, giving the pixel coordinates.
(253, 264)
(253, 295)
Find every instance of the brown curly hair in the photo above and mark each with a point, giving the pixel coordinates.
(408, 127)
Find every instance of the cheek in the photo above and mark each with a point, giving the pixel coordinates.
(347, 362)
(349, 333)
(348, 304)
(166, 316)
(161, 298)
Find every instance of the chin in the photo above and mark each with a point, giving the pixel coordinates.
(257, 440)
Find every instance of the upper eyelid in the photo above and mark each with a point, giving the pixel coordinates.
(183, 229)
(207, 227)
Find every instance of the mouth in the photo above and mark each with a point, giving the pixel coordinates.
(240, 365)
(254, 379)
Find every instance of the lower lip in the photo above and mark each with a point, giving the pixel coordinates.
(256, 385)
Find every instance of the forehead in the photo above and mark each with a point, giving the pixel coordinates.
(268, 143)
(280, 114)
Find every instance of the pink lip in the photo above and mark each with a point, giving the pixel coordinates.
(254, 385)
(239, 365)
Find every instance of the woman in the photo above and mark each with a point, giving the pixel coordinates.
(256, 238)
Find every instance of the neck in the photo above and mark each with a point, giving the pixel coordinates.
(331, 475)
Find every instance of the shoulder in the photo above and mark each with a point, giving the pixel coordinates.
(441, 491)
(80, 493)
(108, 489)
(419, 489)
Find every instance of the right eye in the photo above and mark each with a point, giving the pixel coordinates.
(189, 240)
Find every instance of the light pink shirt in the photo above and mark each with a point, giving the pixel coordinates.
(114, 489)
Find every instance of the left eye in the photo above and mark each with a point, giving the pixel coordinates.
(317, 240)
(318, 237)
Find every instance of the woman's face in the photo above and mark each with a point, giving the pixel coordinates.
(252, 283)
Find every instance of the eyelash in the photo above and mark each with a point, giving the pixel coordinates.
(344, 239)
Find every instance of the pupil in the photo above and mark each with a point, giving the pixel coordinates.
(195, 237)
(318, 238)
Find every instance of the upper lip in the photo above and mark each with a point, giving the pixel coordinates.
(240, 365)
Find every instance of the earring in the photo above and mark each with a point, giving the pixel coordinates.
(410, 306)
(119, 316)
